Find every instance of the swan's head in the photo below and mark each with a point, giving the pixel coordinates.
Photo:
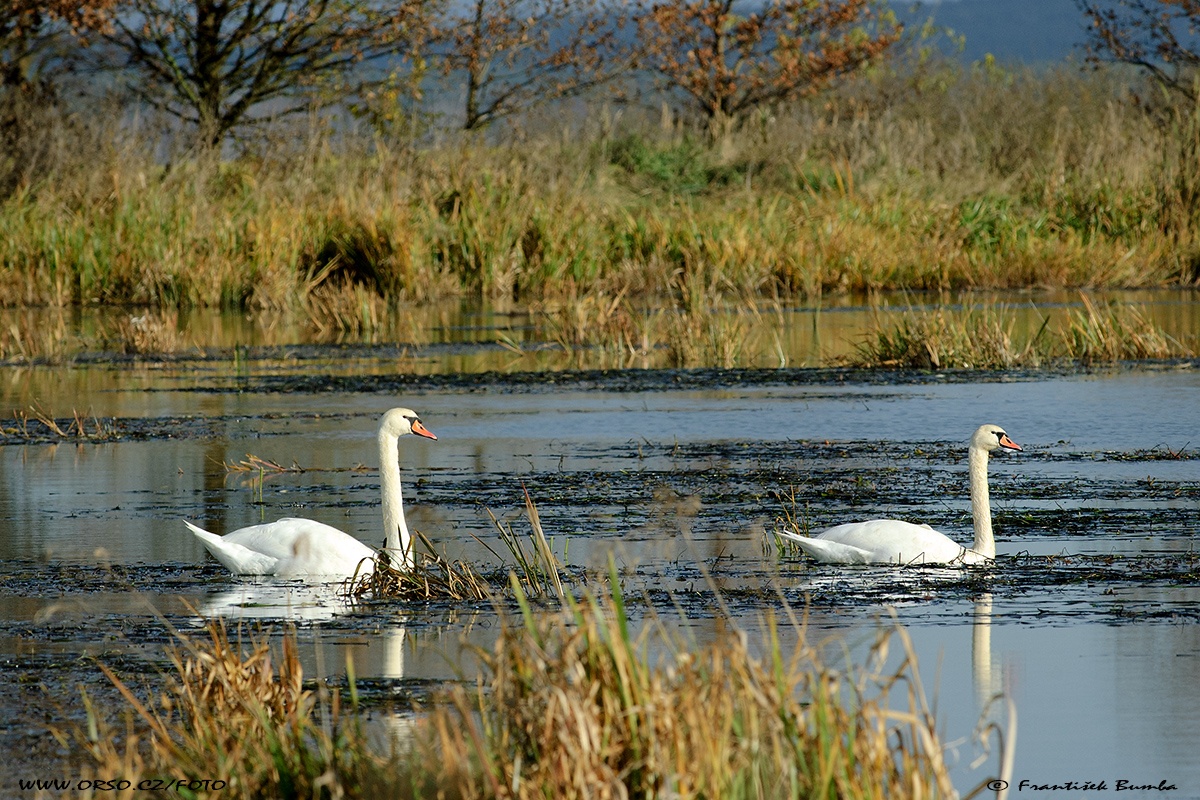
(402, 421)
(992, 437)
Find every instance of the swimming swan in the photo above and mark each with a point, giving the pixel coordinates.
(296, 548)
(892, 541)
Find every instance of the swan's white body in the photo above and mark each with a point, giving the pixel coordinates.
(301, 548)
(893, 541)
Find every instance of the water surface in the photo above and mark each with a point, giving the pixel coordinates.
(1089, 621)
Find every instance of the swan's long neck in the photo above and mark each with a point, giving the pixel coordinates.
(397, 540)
(981, 507)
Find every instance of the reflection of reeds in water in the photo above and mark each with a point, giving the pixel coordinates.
(609, 331)
(571, 703)
(145, 334)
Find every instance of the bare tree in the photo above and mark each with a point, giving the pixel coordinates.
(1157, 36)
(729, 57)
(31, 32)
(220, 64)
(517, 54)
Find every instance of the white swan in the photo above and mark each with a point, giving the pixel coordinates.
(892, 541)
(297, 548)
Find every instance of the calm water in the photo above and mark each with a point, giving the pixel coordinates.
(1082, 623)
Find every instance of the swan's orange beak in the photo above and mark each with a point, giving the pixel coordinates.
(421, 430)
(1009, 443)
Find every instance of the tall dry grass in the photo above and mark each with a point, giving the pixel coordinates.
(234, 717)
(594, 713)
(571, 703)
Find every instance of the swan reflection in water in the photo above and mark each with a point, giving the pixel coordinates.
(378, 653)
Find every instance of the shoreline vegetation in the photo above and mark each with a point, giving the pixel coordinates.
(623, 233)
(943, 179)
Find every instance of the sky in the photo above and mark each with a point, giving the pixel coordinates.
(1029, 31)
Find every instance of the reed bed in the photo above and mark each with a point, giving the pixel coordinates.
(988, 339)
(234, 717)
(571, 703)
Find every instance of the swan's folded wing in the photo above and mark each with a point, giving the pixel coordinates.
(829, 552)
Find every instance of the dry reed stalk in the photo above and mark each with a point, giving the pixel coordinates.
(253, 463)
(77, 429)
(232, 719)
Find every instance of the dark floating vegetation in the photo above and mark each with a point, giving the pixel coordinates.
(532, 570)
(795, 581)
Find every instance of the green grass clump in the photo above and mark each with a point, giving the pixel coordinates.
(1115, 332)
(932, 340)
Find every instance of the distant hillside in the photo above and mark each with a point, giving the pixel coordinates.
(1029, 31)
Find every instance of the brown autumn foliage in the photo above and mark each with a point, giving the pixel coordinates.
(517, 54)
(28, 28)
(729, 58)
(38, 42)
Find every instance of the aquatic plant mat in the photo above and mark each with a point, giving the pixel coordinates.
(38, 425)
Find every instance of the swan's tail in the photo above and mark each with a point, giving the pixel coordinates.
(237, 559)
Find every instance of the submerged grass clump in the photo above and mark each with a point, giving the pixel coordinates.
(534, 570)
(571, 704)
